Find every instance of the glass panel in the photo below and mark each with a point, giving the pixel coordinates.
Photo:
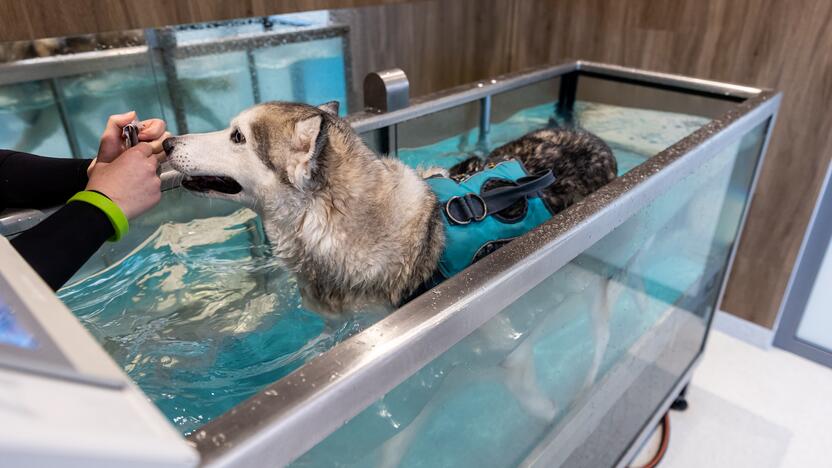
(197, 85)
(441, 139)
(219, 70)
(635, 132)
(30, 120)
(303, 72)
(507, 104)
(90, 98)
(630, 313)
(816, 325)
(212, 89)
(628, 94)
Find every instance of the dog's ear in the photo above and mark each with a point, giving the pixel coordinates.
(307, 143)
(330, 107)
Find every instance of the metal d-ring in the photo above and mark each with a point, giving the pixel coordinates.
(463, 199)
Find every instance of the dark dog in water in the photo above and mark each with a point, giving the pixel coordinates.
(582, 162)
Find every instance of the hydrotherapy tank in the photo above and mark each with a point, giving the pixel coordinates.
(563, 348)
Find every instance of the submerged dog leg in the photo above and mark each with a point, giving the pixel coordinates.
(521, 380)
(600, 315)
(395, 449)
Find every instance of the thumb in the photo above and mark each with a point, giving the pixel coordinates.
(110, 146)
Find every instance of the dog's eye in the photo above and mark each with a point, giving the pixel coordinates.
(237, 136)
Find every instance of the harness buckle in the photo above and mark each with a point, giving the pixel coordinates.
(470, 207)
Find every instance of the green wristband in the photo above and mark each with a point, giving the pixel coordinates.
(113, 212)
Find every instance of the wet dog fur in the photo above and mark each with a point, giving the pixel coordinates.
(358, 230)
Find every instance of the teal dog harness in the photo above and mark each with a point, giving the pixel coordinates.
(474, 216)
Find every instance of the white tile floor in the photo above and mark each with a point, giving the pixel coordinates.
(751, 407)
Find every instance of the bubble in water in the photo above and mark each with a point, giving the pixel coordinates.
(218, 439)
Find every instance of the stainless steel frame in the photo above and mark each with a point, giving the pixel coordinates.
(292, 415)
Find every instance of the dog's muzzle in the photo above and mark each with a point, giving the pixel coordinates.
(167, 145)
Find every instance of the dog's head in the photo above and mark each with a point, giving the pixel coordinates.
(273, 150)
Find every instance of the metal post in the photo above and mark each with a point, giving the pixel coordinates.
(485, 123)
(166, 43)
(386, 91)
(255, 80)
(66, 119)
(566, 96)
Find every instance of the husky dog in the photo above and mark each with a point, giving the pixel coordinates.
(358, 230)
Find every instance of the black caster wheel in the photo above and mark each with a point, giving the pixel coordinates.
(681, 402)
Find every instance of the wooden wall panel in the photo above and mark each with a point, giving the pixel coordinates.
(14, 21)
(781, 44)
(35, 19)
(438, 44)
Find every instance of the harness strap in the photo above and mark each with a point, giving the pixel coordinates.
(475, 207)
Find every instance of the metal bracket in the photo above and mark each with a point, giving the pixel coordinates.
(387, 91)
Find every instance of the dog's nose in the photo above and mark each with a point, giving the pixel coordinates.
(168, 145)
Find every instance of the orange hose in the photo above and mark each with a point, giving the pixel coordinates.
(657, 458)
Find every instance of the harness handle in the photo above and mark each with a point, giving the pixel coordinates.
(500, 198)
(474, 207)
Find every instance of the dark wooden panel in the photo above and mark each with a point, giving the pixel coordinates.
(438, 44)
(35, 19)
(782, 44)
(15, 20)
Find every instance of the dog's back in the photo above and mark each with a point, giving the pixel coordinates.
(580, 161)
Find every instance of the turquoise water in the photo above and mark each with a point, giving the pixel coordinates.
(201, 323)
(201, 317)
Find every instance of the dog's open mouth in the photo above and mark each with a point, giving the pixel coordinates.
(216, 183)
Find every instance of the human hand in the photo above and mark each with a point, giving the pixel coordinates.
(111, 146)
(130, 181)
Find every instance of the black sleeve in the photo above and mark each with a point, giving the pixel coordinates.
(29, 181)
(58, 246)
